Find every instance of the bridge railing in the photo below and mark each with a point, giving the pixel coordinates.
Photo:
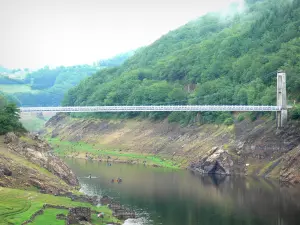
(153, 108)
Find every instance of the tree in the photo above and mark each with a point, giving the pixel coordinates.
(9, 118)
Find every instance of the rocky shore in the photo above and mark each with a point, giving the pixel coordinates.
(255, 148)
(27, 162)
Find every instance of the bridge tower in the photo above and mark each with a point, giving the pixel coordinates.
(281, 99)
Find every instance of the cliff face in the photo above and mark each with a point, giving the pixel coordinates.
(27, 162)
(253, 148)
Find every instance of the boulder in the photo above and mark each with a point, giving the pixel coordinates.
(38, 152)
(10, 137)
(217, 161)
(5, 171)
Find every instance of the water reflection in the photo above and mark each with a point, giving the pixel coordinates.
(163, 196)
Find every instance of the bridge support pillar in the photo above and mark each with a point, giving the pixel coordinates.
(281, 99)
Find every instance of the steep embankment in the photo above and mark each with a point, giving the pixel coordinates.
(30, 175)
(27, 163)
(255, 148)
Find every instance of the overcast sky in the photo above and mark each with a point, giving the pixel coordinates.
(35, 33)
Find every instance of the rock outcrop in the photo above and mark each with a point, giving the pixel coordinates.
(217, 161)
(290, 171)
(4, 171)
(38, 152)
(78, 214)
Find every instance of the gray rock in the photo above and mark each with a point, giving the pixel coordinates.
(217, 161)
(38, 153)
(5, 171)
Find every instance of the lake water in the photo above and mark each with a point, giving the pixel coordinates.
(172, 197)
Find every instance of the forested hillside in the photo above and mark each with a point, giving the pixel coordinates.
(216, 59)
(47, 86)
(116, 60)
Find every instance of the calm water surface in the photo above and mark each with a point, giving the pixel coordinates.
(168, 197)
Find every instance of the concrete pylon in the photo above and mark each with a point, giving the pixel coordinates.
(281, 99)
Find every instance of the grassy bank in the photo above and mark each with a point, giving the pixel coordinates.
(98, 152)
(21, 197)
(16, 206)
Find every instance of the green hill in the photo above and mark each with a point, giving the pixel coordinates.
(217, 59)
(47, 86)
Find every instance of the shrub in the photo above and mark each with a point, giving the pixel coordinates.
(228, 121)
(295, 113)
(240, 117)
(175, 117)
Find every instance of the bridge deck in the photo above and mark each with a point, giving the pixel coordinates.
(165, 108)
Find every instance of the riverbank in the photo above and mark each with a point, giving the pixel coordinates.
(246, 147)
(17, 206)
(82, 150)
(180, 197)
(31, 178)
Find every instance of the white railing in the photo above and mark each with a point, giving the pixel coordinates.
(153, 108)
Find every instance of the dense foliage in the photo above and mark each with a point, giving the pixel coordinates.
(217, 59)
(116, 60)
(9, 117)
(295, 112)
(52, 84)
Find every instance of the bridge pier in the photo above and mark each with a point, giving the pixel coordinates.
(282, 115)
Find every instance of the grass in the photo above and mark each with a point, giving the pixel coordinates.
(27, 140)
(16, 206)
(79, 149)
(14, 88)
(50, 215)
(266, 168)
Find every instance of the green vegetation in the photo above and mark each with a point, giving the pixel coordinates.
(47, 86)
(50, 215)
(241, 117)
(16, 88)
(80, 149)
(267, 168)
(17, 206)
(116, 60)
(217, 59)
(9, 117)
(295, 112)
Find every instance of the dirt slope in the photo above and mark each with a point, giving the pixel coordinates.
(23, 165)
(254, 147)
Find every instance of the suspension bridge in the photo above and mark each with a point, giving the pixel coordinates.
(280, 109)
(154, 108)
